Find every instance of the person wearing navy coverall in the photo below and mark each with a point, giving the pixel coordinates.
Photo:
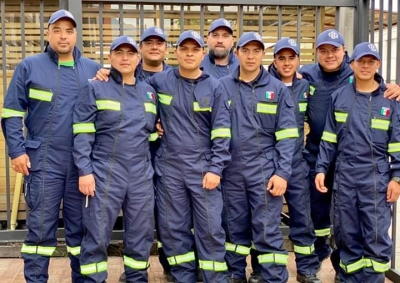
(363, 131)
(220, 60)
(297, 195)
(264, 133)
(43, 92)
(193, 152)
(113, 126)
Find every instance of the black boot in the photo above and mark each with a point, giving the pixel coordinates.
(311, 278)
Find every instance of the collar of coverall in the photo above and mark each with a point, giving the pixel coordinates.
(54, 56)
(116, 75)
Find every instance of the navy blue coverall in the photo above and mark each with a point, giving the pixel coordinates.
(113, 126)
(43, 93)
(264, 133)
(219, 71)
(195, 118)
(322, 85)
(362, 130)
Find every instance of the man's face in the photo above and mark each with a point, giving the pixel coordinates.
(62, 36)
(365, 68)
(250, 56)
(286, 62)
(220, 42)
(124, 59)
(153, 49)
(189, 55)
(330, 57)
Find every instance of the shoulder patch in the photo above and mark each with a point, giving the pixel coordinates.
(151, 95)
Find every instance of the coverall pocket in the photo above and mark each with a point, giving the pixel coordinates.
(40, 99)
(203, 101)
(32, 148)
(383, 177)
(31, 194)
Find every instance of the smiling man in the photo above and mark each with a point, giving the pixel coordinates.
(220, 60)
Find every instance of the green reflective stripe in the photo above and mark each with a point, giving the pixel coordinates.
(340, 117)
(174, 260)
(287, 133)
(376, 265)
(229, 102)
(380, 124)
(394, 147)
(153, 137)
(135, 264)
(192, 230)
(353, 267)
(303, 106)
(84, 128)
(322, 232)
(273, 258)
(266, 108)
(104, 104)
(164, 98)
(150, 107)
(312, 89)
(305, 250)
(42, 95)
(40, 250)
(329, 137)
(74, 250)
(8, 113)
(28, 249)
(253, 246)
(212, 265)
(94, 268)
(243, 250)
(159, 245)
(221, 133)
(197, 108)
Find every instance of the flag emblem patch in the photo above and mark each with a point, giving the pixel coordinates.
(151, 95)
(269, 95)
(385, 111)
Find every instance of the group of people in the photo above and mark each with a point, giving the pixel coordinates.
(208, 149)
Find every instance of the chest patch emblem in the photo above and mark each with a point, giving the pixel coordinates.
(269, 95)
(385, 111)
(151, 95)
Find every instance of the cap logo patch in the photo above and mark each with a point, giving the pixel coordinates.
(292, 42)
(333, 35)
(228, 24)
(372, 47)
(257, 36)
(158, 30)
(68, 14)
(195, 35)
(130, 40)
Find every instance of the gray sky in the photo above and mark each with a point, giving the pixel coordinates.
(386, 4)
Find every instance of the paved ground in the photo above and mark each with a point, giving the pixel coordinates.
(11, 270)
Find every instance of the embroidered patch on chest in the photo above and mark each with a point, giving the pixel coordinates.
(385, 111)
(269, 95)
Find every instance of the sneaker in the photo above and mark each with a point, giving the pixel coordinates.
(236, 280)
(255, 277)
(311, 278)
(122, 278)
(168, 277)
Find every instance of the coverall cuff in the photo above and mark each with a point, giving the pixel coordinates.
(215, 170)
(86, 171)
(16, 153)
(320, 170)
(282, 174)
(395, 173)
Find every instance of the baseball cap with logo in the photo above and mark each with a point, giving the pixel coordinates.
(123, 39)
(286, 43)
(331, 37)
(364, 49)
(220, 23)
(61, 14)
(190, 34)
(153, 31)
(249, 37)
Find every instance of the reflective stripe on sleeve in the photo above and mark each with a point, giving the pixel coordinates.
(164, 98)
(322, 232)
(153, 137)
(197, 108)
(303, 106)
(104, 104)
(150, 107)
(394, 147)
(82, 128)
(329, 137)
(287, 133)
(341, 117)
(221, 133)
(8, 113)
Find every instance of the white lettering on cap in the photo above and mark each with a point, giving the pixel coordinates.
(333, 35)
(228, 24)
(257, 36)
(68, 14)
(292, 42)
(372, 47)
(158, 30)
(130, 40)
(195, 35)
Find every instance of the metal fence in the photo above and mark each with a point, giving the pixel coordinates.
(23, 24)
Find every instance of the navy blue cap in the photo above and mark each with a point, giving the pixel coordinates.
(286, 43)
(331, 37)
(248, 37)
(364, 49)
(220, 23)
(190, 34)
(153, 31)
(60, 14)
(123, 39)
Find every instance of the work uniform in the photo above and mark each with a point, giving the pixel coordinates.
(113, 124)
(264, 132)
(43, 92)
(219, 71)
(362, 130)
(322, 85)
(297, 194)
(195, 118)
